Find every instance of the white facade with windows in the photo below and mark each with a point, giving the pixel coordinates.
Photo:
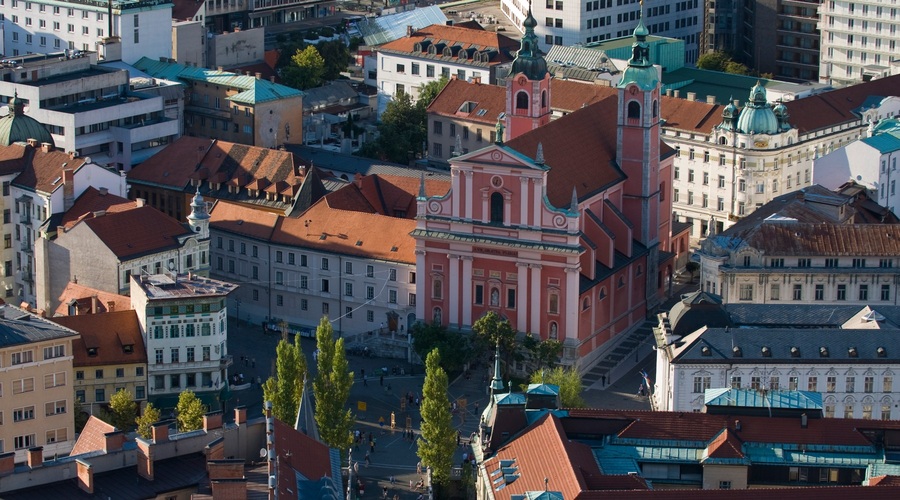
(569, 22)
(42, 26)
(853, 367)
(859, 40)
(184, 323)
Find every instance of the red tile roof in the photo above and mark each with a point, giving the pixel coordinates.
(136, 232)
(503, 46)
(691, 116)
(239, 219)
(14, 158)
(725, 445)
(298, 452)
(572, 95)
(92, 437)
(580, 150)
(83, 296)
(45, 174)
(794, 493)
(109, 333)
(185, 10)
(833, 108)
(826, 239)
(92, 200)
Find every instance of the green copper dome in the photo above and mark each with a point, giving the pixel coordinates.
(529, 60)
(757, 117)
(16, 127)
(640, 70)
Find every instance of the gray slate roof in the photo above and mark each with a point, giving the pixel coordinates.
(19, 327)
(802, 316)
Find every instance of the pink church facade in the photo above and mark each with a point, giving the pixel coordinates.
(563, 228)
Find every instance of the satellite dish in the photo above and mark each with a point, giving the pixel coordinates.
(263, 452)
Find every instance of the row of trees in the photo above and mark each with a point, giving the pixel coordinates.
(122, 411)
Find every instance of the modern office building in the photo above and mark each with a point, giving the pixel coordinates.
(859, 40)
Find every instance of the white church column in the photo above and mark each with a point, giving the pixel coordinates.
(421, 289)
(453, 306)
(537, 196)
(573, 304)
(467, 290)
(454, 180)
(523, 202)
(468, 192)
(522, 298)
(535, 292)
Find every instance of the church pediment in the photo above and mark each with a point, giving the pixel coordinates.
(498, 154)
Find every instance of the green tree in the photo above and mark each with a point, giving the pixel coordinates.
(145, 422)
(429, 91)
(453, 347)
(401, 132)
(543, 353)
(123, 410)
(736, 68)
(81, 416)
(331, 388)
(336, 56)
(490, 331)
(306, 70)
(713, 61)
(438, 436)
(190, 411)
(569, 383)
(286, 387)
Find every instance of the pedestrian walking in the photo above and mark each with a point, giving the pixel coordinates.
(381, 380)
(410, 485)
(367, 460)
(418, 471)
(365, 382)
(458, 437)
(384, 493)
(603, 380)
(372, 445)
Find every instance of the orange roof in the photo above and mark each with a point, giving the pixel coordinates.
(298, 452)
(136, 232)
(91, 201)
(837, 106)
(243, 220)
(110, 334)
(92, 437)
(692, 116)
(45, 174)
(725, 445)
(219, 161)
(14, 158)
(580, 150)
(571, 95)
(83, 296)
(451, 36)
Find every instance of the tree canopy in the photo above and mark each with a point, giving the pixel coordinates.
(569, 382)
(453, 347)
(543, 353)
(123, 410)
(490, 331)
(145, 422)
(286, 387)
(438, 440)
(720, 61)
(190, 411)
(332, 389)
(306, 69)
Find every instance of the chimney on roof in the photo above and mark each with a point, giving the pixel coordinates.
(110, 306)
(272, 78)
(804, 422)
(258, 75)
(676, 93)
(144, 459)
(737, 425)
(7, 462)
(103, 191)
(46, 147)
(95, 304)
(449, 22)
(32, 142)
(160, 432)
(68, 188)
(409, 30)
(139, 202)
(692, 96)
(476, 79)
(357, 179)
(85, 474)
(240, 415)
(220, 68)
(73, 154)
(163, 59)
(35, 457)
(668, 92)
(710, 99)
(212, 421)
(113, 441)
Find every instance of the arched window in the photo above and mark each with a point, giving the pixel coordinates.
(655, 108)
(437, 289)
(585, 304)
(634, 109)
(543, 99)
(522, 101)
(602, 294)
(723, 141)
(497, 208)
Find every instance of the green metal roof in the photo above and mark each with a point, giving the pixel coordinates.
(884, 143)
(18, 127)
(705, 83)
(253, 90)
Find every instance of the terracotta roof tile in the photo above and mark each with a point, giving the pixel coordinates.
(109, 333)
(239, 219)
(693, 116)
(14, 158)
(45, 174)
(83, 296)
(91, 201)
(503, 46)
(794, 493)
(725, 445)
(92, 437)
(837, 106)
(136, 232)
(580, 150)
(860, 240)
(298, 452)
(571, 95)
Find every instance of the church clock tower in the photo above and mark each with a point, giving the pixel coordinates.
(527, 86)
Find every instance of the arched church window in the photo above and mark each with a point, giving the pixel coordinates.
(522, 101)
(655, 108)
(544, 99)
(723, 141)
(497, 208)
(634, 109)
(437, 289)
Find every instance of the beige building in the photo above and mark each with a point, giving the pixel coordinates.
(109, 356)
(36, 372)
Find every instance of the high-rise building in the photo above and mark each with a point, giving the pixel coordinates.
(859, 40)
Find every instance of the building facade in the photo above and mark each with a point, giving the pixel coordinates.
(184, 323)
(859, 40)
(37, 374)
(570, 23)
(560, 230)
(44, 26)
(232, 107)
(108, 357)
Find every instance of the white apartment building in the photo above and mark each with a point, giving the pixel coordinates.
(731, 160)
(858, 40)
(870, 162)
(93, 109)
(569, 22)
(184, 322)
(48, 185)
(42, 26)
(851, 363)
(425, 55)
